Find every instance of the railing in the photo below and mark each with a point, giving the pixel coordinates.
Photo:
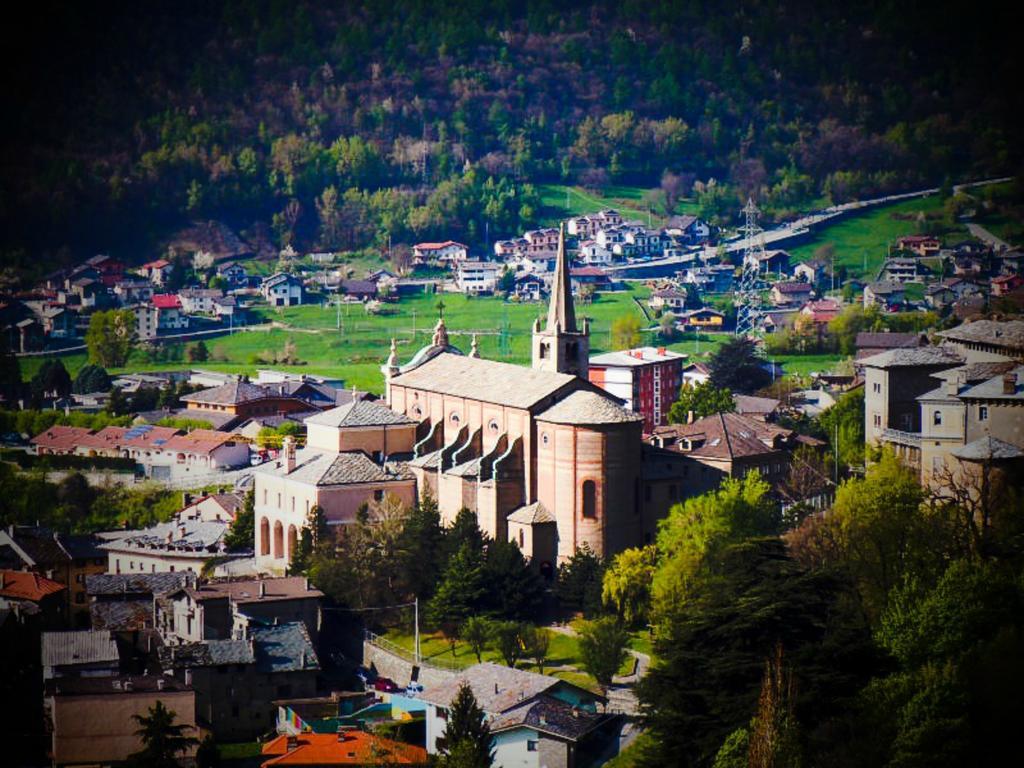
(912, 439)
(447, 665)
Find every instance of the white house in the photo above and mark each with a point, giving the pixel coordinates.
(282, 290)
(199, 301)
(477, 276)
(594, 254)
(178, 545)
(447, 251)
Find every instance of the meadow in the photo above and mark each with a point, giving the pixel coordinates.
(559, 201)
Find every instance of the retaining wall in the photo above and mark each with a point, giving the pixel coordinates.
(399, 669)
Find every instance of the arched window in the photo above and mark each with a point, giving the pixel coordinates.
(543, 351)
(264, 536)
(493, 426)
(278, 540)
(589, 499)
(293, 538)
(522, 538)
(454, 418)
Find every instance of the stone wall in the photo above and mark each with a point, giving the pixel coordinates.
(399, 669)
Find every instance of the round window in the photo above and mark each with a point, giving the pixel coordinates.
(544, 438)
(417, 411)
(493, 426)
(454, 418)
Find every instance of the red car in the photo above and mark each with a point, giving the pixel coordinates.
(386, 684)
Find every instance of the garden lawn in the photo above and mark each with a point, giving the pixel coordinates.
(862, 241)
(629, 201)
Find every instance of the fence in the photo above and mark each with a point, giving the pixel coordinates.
(447, 665)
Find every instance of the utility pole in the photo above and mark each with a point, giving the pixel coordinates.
(416, 641)
(337, 322)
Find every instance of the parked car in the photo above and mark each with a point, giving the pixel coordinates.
(386, 684)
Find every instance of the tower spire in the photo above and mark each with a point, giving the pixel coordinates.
(561, 314)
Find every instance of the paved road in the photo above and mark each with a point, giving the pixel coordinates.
(987, 237)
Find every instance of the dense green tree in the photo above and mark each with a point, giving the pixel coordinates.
(508, 640)
(736, 366)
(164, 741)
(467, 734)
(626, 332)
(514, 589)
(460, 591)
(626, 587)
(703, 399)
(603, 648)
(91, 378)
(241, 536)
(421, 548)
(579, 582)
(52, 379)
(198, 353)
(110, 337)
(477, 632)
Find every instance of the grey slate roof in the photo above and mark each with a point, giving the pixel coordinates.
(585, 407)
(988, 449)
(186, 537)
(497, 688)
(360, 413)
(121, 615)
(210, 653)
(84, 646)
(231, 393)
(1008, 333)
(551, 716)
(109, 584)
(486, 380)
(346, 468)
(284, 648)
(992, 389)
(532, 514)
(911, 357)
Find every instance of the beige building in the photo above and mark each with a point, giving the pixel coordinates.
(91, 718)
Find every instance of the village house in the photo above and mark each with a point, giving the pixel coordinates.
(530, 287)
(157, 272)
(939, 296)
(178, 545)
(922, 245)
(133, 291)
(541, 241)
(868, 343)
(349, 746)
(587, 227)
(363, 290)
(240, 400)
(885, 294)
(704, 318)
(900, 270)
(594, 254)
(1005, 284)
(814, 271)
(695, 373)
(783, 294)
(535, 719)
(111, 270)
(646, 379)
(821, 312)
(505, 250)
(233, 272)
(124, 603)
(986, 340)
(774, 261)
(211, 507)
(477, 277)
(688, 229)
(589, 276)
(668, 299)
(170, 316)
(30, 594)
(91, 719)
(236, 681)
(448, 251)
(226, 610)
(79, 653)
(282, 290)
(199, 301)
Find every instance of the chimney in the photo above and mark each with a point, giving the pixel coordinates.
(661, 351)
(689, 417)
(186, 499)
(263, 589)
(576, 712)
(2, 584)
(289, 453)
(160, 683)
(1009, 383)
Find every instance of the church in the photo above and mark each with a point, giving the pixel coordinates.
(543, 457)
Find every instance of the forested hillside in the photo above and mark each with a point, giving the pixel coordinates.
(335, 124)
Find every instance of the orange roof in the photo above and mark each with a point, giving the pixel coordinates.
(59, 438)
(436, 246)
(199, 441)
(23, 585)
(349, 748)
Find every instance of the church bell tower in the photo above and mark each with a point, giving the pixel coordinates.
(561, 346)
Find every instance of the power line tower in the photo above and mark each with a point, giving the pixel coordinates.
(748, 296)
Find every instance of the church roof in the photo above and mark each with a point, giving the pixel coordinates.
(532, 514)
(487, 380)
(561, 313)
(584, 407)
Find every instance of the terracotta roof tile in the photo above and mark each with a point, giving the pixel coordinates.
(26, 585)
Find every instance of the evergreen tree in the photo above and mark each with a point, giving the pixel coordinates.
(460, 591)
(736, 366)
(465, 531)
(467, 734)
(421, 549)
(578, 587)
(164, 741)
(241, 536)
(514, 590)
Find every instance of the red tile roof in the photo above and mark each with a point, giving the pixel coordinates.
(350, 748)
(60, 438)
(166, 301)
(23, 585)
(436, 246)
(158, 264)
(199, 441)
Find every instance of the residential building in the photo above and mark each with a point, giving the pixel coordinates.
(986, 340)
(448, 251)
(233, 272)
(241, 399)
(476, 277)
(237, 681)
(668, 299)
(177, 545)
(760, 408)
(647, 380)
(212, 507)
(589, 276)
(282, 290)
(729, 445)
(885, 294)
(530, 287)
(783, 294)
(111, 270)
(822, 312)
(339, 482)
(225, 610)
(124, 603)
(157, 272)
(695, 373)
(704, 318)
(349, 746)
(774, 261)
(505, 250)
(1005, 284)
(815, 271)
(939, 295)
(362, 425)
(133, 291)
(922, 245)
(30, 593)
(868, 343)
(79, 653)
(199, 301)
(688, 229)
(593, 254)
(893, 380)
(541, 241)
(169, 313)
(900, 270)
(92, 719)
(516, 703)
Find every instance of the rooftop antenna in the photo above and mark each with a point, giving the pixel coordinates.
(748, 297)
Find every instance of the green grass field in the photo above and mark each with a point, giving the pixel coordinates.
(862, 242)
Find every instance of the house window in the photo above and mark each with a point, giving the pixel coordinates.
(982, 413)
(293, 503)
(522, 538)
(264, 495)
(493, 426)
(378, 495)
(878, 420)
(876, 387)
(937, 418)
(589, 499)
(531, 745)
(279, 501)
(544, 438)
